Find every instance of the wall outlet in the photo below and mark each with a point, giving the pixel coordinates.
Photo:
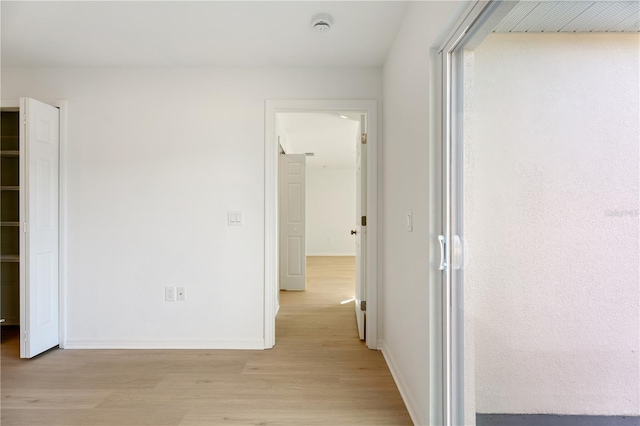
(169, 294)
(180, 296)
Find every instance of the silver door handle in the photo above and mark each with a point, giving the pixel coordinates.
(443, 261)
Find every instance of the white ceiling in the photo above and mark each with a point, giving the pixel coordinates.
(249, 33)
(330, 137)
(200, 33)
(572, 16)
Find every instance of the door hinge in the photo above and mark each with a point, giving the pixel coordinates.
(26, 337)
(363, 221)
(25, 119)
(24, 227)
(363, 305)
(363, 138)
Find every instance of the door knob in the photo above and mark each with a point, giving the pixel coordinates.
(353, 232)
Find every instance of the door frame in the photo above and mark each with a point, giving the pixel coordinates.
(476, 22)
(273, 107)
(62, 105)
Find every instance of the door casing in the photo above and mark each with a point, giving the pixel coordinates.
(273, 107)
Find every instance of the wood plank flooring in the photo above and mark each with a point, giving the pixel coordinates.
(319, 373)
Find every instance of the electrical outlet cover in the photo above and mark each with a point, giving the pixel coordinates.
(180, 295)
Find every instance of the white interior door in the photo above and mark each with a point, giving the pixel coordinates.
(39, 144)
(361, 229)
(292, 221)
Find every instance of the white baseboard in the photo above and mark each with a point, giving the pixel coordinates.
(415, 413)
(163, 344)
(331, 254)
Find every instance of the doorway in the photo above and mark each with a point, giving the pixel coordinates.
(333, 110)
(532, 167)
(322, 196)
(317, 189)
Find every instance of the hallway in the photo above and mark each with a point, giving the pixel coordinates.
(318, 373)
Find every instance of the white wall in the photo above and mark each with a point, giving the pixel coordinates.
(405, 256)
(331, 211)
(553, 272)
(156, 158)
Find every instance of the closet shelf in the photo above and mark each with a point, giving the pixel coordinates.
(10, 188)
(7, 223)
(10, 258)
(9, 153)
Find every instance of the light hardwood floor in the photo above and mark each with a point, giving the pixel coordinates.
(319, 373)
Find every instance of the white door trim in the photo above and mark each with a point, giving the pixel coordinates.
(272, 107)
(62, 207)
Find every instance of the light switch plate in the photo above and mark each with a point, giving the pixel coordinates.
(170, 294)
(234, 218)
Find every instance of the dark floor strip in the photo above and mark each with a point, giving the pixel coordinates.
(554, 420)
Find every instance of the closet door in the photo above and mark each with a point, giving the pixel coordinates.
(293, 222)
(39, 144)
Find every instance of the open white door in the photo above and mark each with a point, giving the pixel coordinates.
(361, 229)
(39, 146)
(292, 222)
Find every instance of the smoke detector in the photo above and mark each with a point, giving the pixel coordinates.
(321, 22)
